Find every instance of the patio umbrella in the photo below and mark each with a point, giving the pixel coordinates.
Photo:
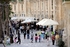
(46, 22)
(49, 22)
(28, 20)
(14, 18)
(40, 22)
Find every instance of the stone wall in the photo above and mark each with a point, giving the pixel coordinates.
(66, 33)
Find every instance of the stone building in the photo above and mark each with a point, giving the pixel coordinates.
(39, 9)
(66, 11)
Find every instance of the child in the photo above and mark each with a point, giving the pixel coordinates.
(36, 38)
(39, 38)
(15, 40)
(8, 41)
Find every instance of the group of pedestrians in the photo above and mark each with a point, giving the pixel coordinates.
(36, 37)
(55, 38)
(27, 32)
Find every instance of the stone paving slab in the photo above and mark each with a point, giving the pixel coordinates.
(27, 43)
(1, 45)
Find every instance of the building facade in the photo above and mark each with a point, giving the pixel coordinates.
(18, 7)
(39, 9)
(66, 11)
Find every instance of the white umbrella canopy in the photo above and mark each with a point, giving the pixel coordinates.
(14, 18)
(28, 20)
(34, 20)
(40, 22)
(47, 22)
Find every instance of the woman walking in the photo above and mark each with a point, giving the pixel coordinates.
(53, 39)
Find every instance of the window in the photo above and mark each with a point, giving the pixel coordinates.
(42, 5)
(42, 15)
(22, 6)
(38, 5)
(52, 16)
(34, 15)
(46, 12)
(14, 15)
(38, 15)
(15, 7)
(22, 15)
(46, 16)
(52, 4)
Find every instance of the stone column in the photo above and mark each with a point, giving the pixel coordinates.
(48, 8)
(40, 9)
(18, 8)
(59, 12)
(53, 13)
(25, 8)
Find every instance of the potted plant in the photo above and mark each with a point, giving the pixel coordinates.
(61, 43)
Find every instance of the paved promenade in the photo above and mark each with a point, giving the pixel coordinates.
(27, 43)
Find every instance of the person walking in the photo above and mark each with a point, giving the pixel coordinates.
(48, 41)
(28, 33)
(21, 29)
(36, 37)
(43, 34)
(57, 38)
(46, 34)
(53, 39)
(11, 38)
(15, 39)
(8, 41)
(32, 35)
(39, 38)
(24, 34)
(19, 40)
